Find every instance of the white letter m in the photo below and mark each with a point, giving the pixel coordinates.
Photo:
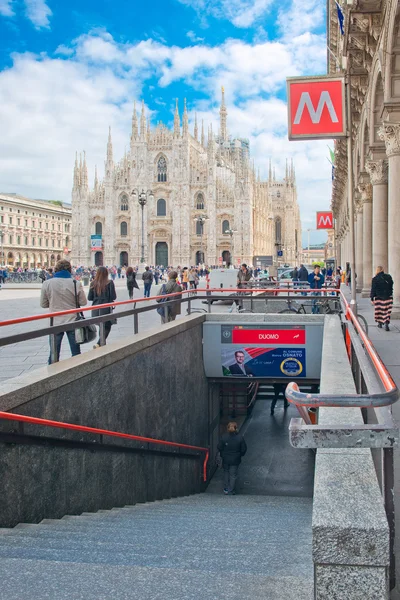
(315, 115)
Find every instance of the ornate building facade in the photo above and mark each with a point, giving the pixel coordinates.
(33, 233)
(369, 51)
(204, 202)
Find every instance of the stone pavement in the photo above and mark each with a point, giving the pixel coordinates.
(19, 359)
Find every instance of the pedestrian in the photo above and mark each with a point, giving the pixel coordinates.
(147, 278)
(316, 281)
(119, 272)
(58, 294)
(232, 447)
(243, 276)
(102, 291)
(279, 388)
(382, 297)
(156, 275)
(303, 278)
(185, 278)
(131, 282)
(173, 309)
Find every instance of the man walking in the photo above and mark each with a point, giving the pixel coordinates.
(58, 294)
(303, 278)
(147, 278)
(316, 281)
(232, 447)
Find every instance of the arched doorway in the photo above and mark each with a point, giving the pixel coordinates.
(10, 258)
(199, 257)
(98, 259)
(226, 257)
(52, 260)
(123, 259)
(162, 254)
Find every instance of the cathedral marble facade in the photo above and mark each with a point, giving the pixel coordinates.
(186, 179)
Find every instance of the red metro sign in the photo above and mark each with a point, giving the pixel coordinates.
(316, 108)
(324, 220)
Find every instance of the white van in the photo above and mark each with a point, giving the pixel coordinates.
(224, 279)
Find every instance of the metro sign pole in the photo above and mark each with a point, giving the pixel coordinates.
(317, 110)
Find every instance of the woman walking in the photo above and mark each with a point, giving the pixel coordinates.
(131, 281)
(382, 297)
(167, 310)
(102, 291)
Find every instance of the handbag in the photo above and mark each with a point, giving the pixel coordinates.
(86, 333)
(162, 310)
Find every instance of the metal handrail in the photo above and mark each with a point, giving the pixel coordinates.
(138, 438)
(175, 295)
(391, 395)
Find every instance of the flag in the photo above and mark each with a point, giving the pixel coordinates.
(332, 155)
(340, 16)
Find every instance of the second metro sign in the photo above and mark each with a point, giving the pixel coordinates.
(316, 108)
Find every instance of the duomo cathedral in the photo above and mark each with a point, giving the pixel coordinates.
(183, 198)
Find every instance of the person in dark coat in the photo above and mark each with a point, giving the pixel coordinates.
(131, 281)
(232, 447)
(102, 291)
(382, 297)
(303, 278)
(279, 388)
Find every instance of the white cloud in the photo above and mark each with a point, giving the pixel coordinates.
(38, 12)
(70, 102)
(242, 13)
(6, 9)
(300, 17)
(193, 37)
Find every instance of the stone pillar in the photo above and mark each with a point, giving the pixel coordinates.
(366, 196)
(390, 133)
(378, 172)
(359, 250)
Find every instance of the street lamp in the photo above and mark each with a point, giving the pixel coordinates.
(231, 232)
(2, 234)
(142, 197)
(201, 219)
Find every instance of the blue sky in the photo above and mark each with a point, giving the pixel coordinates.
(68, 70)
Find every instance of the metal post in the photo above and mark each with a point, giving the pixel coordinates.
(135, 323)
(353, 301)
(102, 333)
(201, 242)
(53, 345)
(142, 258)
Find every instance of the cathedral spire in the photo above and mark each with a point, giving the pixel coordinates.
(270, 171)
(222, 116)
(109, 148)
(148, 128)
(185, 121)
(76, 173)
(274, 174)
(210, 145)
(85, 182)
(287, 172)
(202, 133)
(177, 121)
(134, 123)
(196, 131)
(293, 173)
(80, 169)
(96, 181)
(142, 123)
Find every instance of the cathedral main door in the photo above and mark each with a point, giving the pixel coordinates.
(162, 254)
(98, 259)
(123, 259)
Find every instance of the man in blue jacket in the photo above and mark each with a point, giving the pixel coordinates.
(316, 281)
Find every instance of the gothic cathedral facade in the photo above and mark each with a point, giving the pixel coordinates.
(178, 199)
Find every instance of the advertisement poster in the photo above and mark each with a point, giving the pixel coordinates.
(263, 362)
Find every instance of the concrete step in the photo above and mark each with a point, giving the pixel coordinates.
(73, 581)
(259, 563)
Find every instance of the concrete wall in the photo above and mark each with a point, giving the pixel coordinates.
(151, 385)
(350, 530)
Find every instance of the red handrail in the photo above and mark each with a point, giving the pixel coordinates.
(73, 311)
(73, 427)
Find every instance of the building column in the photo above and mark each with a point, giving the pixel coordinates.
(390, 133)
(366, 196)
(359, 250)
(378, 172)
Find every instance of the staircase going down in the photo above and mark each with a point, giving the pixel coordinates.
(201, 547)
